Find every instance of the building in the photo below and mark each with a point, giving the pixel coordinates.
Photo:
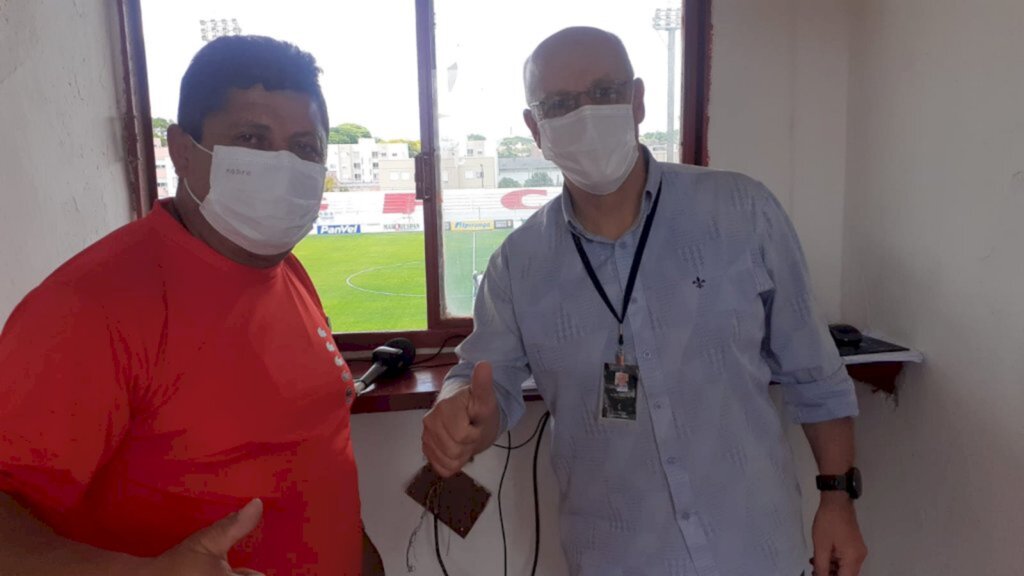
(357, 166)
(456, 173)
(166, 177)
(521, 169)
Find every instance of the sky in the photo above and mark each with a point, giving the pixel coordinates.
(367, 51)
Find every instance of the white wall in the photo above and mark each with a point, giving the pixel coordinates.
(63, 183)
(934, 255)
(778, 113)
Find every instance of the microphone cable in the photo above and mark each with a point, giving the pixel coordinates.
(538, 433)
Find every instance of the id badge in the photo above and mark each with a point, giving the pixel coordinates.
(618, 391)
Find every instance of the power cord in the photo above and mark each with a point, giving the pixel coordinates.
(536, 497)
(440, 349)
(501, 516)
(538, 433)
(437, 545)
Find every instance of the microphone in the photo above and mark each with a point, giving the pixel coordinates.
(391, 359)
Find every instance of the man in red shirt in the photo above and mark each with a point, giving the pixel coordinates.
(171, 399)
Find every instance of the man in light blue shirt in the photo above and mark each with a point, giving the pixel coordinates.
(653, 304)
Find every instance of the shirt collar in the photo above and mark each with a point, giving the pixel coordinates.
(651, 187)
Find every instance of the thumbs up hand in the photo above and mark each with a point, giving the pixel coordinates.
(462, 423)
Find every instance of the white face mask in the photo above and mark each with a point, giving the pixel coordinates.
(594, 146)
(265, 202)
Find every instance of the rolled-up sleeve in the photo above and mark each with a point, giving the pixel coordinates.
(797, 345)
(496, 338)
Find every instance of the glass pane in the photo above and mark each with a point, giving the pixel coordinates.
(493, 176)
(366, 252)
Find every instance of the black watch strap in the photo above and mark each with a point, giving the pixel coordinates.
(849, 483)
(831, 483)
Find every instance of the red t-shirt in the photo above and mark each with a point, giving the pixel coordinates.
(151, 386)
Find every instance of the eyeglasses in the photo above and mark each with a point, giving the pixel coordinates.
(601, 94)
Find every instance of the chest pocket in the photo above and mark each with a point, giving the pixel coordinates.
(744, 280)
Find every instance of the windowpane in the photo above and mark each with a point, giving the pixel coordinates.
(366, 251)
(493, 176)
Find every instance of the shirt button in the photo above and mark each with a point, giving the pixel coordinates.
(648, 355)
(684, 516)
(671, 461)
(657, 405)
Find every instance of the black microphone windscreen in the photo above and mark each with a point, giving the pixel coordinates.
(408, 354)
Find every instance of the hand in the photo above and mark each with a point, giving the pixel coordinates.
(205, 553)
(462, 424)
(839, 548)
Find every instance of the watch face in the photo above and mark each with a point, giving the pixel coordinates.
(853, 483)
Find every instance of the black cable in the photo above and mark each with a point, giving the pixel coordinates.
(446, 364)
(501, 516)
(524, 442)
(440, 349)
(437, 543)
(536, 496)
(538, 432)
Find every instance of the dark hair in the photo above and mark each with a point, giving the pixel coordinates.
(243, 62)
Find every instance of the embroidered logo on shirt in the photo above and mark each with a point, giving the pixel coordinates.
(699, 283)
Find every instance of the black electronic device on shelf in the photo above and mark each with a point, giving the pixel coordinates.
(851, 342)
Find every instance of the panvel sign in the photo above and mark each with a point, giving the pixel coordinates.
(338, 229)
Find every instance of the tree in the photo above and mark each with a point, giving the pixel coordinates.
(414, 145)
(476, 137)
(348, 134)
(539, 179)
(655, 138)
(507, 182)
(160, 129)
(515, 147)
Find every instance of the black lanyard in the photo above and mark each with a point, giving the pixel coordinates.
(638, 255)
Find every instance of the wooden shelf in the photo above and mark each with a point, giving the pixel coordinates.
(417, 388)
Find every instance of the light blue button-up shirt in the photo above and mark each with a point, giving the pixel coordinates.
(702, 483)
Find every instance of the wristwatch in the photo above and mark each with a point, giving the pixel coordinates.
(849, 483)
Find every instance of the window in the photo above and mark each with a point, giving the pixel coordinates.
(466, 138)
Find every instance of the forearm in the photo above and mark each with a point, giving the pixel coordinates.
(31, 548)
(832, 443)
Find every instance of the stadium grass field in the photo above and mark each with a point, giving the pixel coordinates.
(377, 282)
